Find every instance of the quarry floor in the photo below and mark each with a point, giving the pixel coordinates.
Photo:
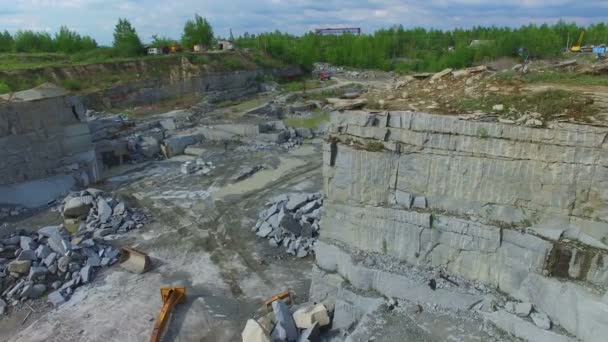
(201, 239)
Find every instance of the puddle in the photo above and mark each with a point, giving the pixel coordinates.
(262, 178)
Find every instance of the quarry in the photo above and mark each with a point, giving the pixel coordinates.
(449, 206)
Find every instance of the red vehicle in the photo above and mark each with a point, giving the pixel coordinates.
(324, 76)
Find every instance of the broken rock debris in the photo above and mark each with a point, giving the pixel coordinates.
(52, 258)
(292, 222)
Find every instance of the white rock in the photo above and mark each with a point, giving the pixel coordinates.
(305, 317)
(104, 210)
(498, 107)
(541, 320)
(523, 309)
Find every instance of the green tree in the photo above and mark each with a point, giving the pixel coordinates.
(69, 41)
(197, 31)
(6, 42)
(160, 41)
(126, 40)
(30, 41)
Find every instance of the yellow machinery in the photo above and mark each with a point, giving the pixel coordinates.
(285, 296)
(171, 297)
(577, 47)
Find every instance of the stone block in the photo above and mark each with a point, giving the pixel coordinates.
(307, 316)
(253, 332)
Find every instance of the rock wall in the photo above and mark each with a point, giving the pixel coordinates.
(521, 209)
(218, 86)
(41, 139)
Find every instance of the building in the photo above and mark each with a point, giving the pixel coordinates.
(155, 51)
(225, 45)
(338, 31)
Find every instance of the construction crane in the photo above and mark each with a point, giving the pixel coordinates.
(171, 297)
(577, 47)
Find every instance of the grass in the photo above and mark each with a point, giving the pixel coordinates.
(549, 103)
(374, 146)
(570, 78)
(305, 84)
(314, 121)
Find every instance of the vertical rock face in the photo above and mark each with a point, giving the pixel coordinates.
(43, 134)
(513, 207)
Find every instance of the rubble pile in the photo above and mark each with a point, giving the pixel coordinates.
(198, 167)
(93, 213)
(56, 260)
(285, 324)
(292, 221)
(49, 260)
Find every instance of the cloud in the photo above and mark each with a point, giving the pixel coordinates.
(98, 17)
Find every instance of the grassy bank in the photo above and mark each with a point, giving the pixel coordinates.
(550, 104)
(95, 69)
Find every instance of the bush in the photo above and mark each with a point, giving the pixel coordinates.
(71, 84)
(199, 59)
(233, 63)
(4, 88)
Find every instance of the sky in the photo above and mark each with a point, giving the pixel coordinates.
(97, 18)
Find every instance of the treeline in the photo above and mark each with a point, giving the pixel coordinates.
(420, 49)
(127, 42)
(65, 41)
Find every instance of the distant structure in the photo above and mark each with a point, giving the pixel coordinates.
(338, 31)
(225, 45)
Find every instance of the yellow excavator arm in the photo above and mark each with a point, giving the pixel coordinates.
(577, 47)
(171, 296)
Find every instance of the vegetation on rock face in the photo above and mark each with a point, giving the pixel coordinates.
(419, 49)
(197, 31)
(126, 40)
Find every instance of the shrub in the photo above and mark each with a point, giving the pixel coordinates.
(4, 88)
(71, 84)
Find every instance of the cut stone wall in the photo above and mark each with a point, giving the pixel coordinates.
(41, 139)
(219, 86)
(501, 204)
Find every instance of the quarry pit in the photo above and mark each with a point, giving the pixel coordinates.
(368, 194)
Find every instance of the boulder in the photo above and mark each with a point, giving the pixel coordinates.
(441, 74)
(149, 147)
(77, 207)
(307, 316)
(541, 320)
(305, 133)
(27, 243)
(37, 271)
(19, 266)
(284, 318)
(27, 254)
(522, 309)
(311, 334)
(296, 201)
(253, 332)
(43, 251)
(33, 291)
(345, 104)
(56, 298)
(104, 211)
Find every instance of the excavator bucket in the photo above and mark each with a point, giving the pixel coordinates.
(134, 261)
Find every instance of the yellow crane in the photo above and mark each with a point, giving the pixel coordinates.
(577, 47)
